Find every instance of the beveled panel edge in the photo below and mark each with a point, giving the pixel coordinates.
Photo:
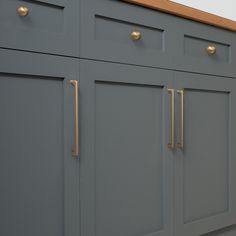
(187, 12)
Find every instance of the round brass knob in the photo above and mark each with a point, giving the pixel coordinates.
(23, 11)
(135, 35)
(211, 50)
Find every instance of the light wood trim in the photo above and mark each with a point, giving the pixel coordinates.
(187, 12)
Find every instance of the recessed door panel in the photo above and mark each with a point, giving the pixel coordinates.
(129, 159)
(31, 193)
(205, 167)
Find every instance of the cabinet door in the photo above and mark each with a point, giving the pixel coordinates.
(49, 27)
(205, 169)
(38, 175)
(125, 165)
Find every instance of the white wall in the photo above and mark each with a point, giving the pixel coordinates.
(224, 8)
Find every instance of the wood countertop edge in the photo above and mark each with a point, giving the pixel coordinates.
(187, 12)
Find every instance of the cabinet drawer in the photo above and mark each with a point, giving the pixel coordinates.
(205, 49)
(44, 26)
(127, 33)
(106, 33)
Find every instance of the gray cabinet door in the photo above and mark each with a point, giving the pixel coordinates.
(205, 169)
(50, 26)
(125, 163)
(38, 175)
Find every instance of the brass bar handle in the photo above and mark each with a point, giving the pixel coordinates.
(180, 144)
(171, 144)
(75, 150)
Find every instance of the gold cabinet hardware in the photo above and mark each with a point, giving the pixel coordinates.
(23, 11)
(135, 35)
(211, 50)
(180, 144)
(171, 144)
(75, 150)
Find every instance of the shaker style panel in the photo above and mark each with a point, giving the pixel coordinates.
(205, 168)
(205, 49)
(108, 29)
(48, 26)
(126, 177)
(120, 32)
(39, 177)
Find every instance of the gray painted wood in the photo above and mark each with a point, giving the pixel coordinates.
(108, 29)
(205, 168)
(126, 167)
(228, 231)
(50, 27)
(222, 63)
(39, 179)
(130, 182)
(197, 48)
(121, 18)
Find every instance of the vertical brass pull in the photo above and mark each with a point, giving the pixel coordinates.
(75, 150)
(171, 144)
(180, 144)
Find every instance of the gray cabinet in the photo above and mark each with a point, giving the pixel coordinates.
(156, 122)
(39, 178)
(132, 181)
(126, 168)
(49, 27)
(205, 169)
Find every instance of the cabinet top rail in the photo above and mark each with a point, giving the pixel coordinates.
(187, 12)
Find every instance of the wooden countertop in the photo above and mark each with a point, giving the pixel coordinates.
(187, 12)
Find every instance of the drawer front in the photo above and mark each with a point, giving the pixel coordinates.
(205, 49)
(107, 28)
(48, 26)
(126, 33)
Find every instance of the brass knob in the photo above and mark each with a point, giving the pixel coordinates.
(135, 35)
(211, 50)
(23, 11)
